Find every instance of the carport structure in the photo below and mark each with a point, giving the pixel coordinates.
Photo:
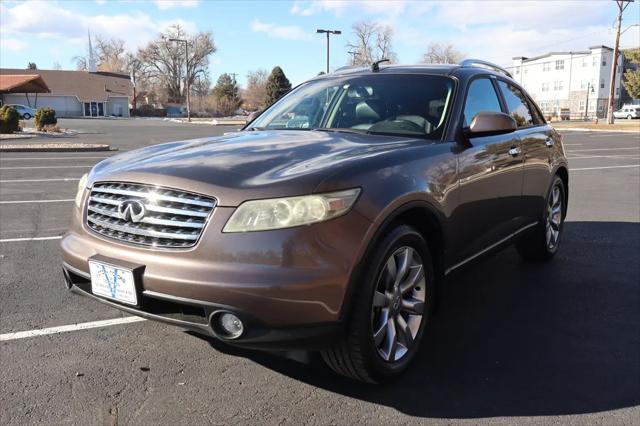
(27, 83)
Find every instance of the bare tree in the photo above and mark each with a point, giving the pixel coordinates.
(256, 92)
(201, 89)
(373, 42)
(442, 53)
(112, 55)
(164, 60)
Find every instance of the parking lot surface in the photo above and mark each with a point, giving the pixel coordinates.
(511, 342)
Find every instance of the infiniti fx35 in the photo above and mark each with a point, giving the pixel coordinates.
(327, 223)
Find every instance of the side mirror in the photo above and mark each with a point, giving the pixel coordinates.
(491, 123)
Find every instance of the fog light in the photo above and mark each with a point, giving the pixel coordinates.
(231, 325)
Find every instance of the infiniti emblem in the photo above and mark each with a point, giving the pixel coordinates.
(131, 210)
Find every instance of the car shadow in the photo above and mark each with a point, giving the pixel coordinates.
(517, 339)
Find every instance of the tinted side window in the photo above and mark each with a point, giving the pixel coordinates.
(481, 96)
(517, 104)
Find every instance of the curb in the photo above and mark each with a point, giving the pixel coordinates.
(54, 148)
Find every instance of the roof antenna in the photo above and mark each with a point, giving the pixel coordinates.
(375, 67)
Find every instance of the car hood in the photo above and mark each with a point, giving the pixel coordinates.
(246, 165)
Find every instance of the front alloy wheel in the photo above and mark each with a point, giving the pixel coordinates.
(389, 310)
(398, 304)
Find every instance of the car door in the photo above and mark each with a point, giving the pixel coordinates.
(538, 139)
(489, 177)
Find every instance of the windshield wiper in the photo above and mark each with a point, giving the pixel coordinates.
(341, 130)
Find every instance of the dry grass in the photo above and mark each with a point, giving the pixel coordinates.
(628, 125)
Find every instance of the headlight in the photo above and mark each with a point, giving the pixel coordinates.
(81, 186)
(277, 213)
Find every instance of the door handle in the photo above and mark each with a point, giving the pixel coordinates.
(514, 151)
(549, 143)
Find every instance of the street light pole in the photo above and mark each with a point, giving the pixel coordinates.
(328, 32)
(586, 107)
(186, 54)
(622, 5)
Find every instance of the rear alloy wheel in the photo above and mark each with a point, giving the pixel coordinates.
(27, 116)
(390, 308)
(542, 243)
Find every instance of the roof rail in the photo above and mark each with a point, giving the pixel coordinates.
(484, 64)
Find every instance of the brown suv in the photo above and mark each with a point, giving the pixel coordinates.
(328, 221)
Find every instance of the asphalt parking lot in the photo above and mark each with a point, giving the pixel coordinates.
(511, 343)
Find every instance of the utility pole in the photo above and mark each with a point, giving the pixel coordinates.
(186, 54)
(622, 5)
(328, 32)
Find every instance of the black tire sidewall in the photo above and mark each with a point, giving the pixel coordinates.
(26, 116)
(402, 235)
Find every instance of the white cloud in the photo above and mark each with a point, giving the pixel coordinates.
(170, 4)
(340, 8)
(12, 44)
(50, 19)
(287, 32)
(100, 2)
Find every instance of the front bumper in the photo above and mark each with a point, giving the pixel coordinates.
(288, 286)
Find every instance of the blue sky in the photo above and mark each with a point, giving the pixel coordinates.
(262, 34)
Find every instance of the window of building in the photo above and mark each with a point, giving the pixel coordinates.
(558, 85)
(584, 62)
(617, 90)
(604, 62)
(546, 66)
(602, 83)
(582, 105)
(545, 87)
(560, 64)
(517, 70)
(517, 104)
(526, 70)
(481, 97)
(583, 84)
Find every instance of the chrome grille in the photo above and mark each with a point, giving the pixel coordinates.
(172, 218)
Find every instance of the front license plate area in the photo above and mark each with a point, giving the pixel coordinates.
(113, 282)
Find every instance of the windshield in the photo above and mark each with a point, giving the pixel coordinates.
(406, 105)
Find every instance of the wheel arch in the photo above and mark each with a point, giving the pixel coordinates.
(421, 216)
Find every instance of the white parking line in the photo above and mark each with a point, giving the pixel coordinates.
(19, 240)
(67, 328)
(39, 180)
(619, 156)
(46, 167)
(604, 167)
(49, 158)
(36, 201)
(600, 149)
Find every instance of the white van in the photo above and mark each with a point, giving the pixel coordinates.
(628, 112)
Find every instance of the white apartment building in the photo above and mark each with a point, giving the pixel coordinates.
(574, 84)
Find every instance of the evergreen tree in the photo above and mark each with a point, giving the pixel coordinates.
(277, 86)
(226, 95)
(632, 76)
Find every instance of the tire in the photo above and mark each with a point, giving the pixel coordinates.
(359, 355)
(543, 242)
(27, 116)
(629, 117)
